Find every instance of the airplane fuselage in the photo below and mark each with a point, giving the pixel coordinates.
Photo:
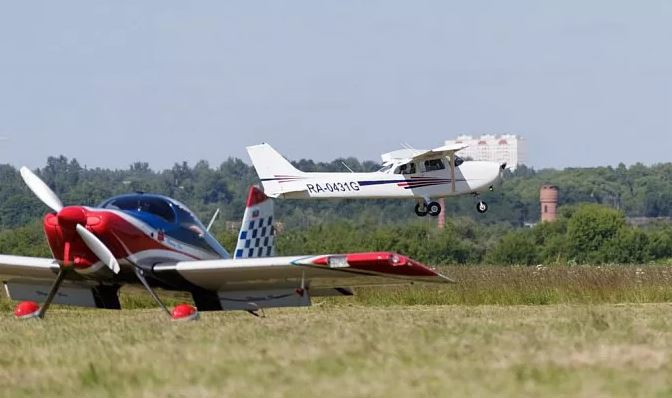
(470, 177)
(139, 229)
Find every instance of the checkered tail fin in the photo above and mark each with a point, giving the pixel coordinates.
(257, 234)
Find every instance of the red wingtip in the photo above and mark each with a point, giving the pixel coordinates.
(255, 197)
(184, 312)
(26, 309)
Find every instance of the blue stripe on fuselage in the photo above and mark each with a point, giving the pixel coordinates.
(176, 231)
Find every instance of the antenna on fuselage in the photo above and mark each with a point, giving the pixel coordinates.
(346, 166)
(212, 220)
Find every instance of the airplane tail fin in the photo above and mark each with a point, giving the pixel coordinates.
(272, 168)
(257, 234)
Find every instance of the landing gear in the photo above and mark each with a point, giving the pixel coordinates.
(434, 209)
(424, 208)
(481, 207)
(421, 209)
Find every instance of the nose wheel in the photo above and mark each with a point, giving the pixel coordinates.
(431, 208)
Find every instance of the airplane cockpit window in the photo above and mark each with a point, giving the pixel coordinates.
(434, 164)
(153, 205)
(408, 168)
(189, 220)
(458, 160)
(385, 169)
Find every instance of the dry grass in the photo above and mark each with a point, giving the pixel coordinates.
(554, 350)
(579, 344)
(480, 285)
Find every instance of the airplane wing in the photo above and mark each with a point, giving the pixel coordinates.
(29, 267)
(277, 276)
(446, 150)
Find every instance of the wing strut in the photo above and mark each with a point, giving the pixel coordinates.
(452, 172)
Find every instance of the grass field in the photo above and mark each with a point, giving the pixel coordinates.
(594, 336)
(482, 285)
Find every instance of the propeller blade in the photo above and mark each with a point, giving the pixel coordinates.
(41, 190)
(98, 248)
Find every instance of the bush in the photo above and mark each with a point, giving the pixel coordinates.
(590, 229)
(515, 248)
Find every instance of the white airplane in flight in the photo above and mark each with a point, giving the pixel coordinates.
(424, 175)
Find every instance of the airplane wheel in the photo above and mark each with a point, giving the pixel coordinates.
(421, 212)
(481, 207)
(434, 209)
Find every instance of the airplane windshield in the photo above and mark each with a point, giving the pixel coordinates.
(385, 169)
(458, 161)
(156, 206)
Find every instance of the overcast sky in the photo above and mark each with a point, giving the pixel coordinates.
(112, 82)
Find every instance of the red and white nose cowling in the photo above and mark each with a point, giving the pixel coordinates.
(68, 233)
(65, 237)
(69, 217)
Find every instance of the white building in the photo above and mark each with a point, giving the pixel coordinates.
(508, 148)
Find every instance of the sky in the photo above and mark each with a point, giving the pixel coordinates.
(587, 83)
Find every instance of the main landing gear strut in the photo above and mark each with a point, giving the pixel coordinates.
(422, 208)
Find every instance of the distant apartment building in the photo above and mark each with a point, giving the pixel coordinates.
(508, 148)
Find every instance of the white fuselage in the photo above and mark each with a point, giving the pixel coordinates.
(470, 177)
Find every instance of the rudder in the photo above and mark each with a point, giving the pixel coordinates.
(272, 168)
(257, 234)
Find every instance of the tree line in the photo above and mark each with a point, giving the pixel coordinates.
(592, 227)
(638, 191)
(583, 234)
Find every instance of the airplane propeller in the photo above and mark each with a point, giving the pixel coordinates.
(41, 190)
(98, 248)
(74, 216)
(69, 216)
(49, 198)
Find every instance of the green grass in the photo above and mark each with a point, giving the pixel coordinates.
(600, 332)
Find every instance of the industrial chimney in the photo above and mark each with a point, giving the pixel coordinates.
(549, 202)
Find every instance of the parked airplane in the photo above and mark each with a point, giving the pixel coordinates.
(156, 241)
(407, 173)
